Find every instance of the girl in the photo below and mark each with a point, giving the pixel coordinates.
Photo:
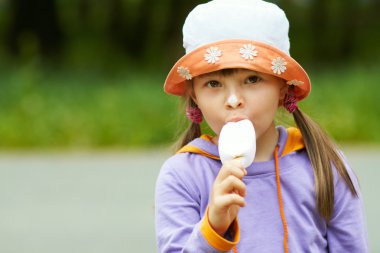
(298, 195)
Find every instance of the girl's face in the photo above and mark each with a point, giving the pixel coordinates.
(237, 95)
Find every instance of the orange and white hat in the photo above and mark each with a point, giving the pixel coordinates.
(249, 34)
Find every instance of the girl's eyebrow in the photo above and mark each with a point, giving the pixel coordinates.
(212, 74)
(253, 72)
(220, 73)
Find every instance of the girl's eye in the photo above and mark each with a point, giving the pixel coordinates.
(213, 84)
(253, 79)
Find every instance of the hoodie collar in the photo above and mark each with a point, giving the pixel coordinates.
(289, 140)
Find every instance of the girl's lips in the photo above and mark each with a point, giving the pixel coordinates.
(236, 118)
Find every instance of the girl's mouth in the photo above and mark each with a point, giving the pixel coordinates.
(236, 118)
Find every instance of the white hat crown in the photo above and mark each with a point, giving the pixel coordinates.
(236, 19)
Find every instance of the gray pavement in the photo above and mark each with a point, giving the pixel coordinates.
(82, 202)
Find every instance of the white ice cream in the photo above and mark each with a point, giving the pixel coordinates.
(238, 140)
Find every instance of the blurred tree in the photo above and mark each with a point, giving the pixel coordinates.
(34, 22)
(83, 9)
(334, 26)
(148, 30)
(349, 27)
(319, 27)
(130, 33)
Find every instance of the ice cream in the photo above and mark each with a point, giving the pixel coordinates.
(238, 140)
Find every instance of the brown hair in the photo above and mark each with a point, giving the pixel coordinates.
(321, 150)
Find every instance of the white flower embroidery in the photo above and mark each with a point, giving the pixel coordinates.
(248, 51)
(278, 65)
(295, 82)
(184, 72)
(213, 54)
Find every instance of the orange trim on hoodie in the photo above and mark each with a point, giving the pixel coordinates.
(293, 143)
(217, 241)
(196, 150)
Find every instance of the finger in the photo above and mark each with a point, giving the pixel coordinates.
(232, 167)
(227, 200)
(235, 162)
(232, 184)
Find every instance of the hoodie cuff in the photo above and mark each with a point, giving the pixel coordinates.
(217, 241)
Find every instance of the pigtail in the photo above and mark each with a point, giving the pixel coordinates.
(191, 133)
(322, 153)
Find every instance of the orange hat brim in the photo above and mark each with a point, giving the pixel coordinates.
(195, 64)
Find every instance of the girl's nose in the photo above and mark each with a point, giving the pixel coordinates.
(234, 102)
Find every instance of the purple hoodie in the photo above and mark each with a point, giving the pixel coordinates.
(183, 190)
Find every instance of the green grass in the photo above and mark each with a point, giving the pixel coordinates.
(345, 101)
(41, 108)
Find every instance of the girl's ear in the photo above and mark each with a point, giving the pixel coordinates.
(283, 91)
(190, 91)
(192, 96)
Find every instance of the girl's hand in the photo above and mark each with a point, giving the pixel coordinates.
(227, 196)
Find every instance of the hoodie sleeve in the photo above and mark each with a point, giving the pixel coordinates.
(179, 225)
(347, 229)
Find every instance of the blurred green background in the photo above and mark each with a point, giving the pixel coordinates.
(89, 74)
